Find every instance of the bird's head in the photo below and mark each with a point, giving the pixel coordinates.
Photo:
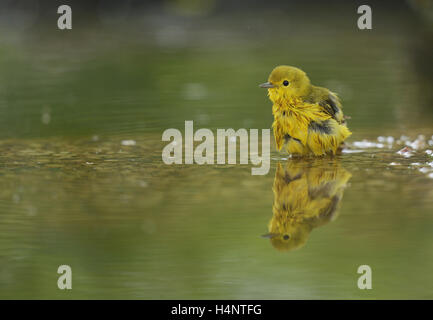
(287, 82)
(294, 236)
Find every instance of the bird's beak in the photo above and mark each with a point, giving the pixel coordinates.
(266, 85)
(269, 235)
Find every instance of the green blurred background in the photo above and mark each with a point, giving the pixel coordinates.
(133, 227)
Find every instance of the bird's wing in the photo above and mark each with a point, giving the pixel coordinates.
(331, 105)
(326, 136)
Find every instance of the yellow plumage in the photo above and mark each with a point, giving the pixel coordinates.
(305, 197)
(307, 118)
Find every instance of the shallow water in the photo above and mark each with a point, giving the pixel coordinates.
(132, 227)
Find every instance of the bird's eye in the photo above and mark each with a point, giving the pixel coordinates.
(286, 83)
(286, 237)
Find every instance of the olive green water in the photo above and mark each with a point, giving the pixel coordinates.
(133, 227)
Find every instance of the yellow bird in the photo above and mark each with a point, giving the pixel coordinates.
(305, 197)
(307, 118)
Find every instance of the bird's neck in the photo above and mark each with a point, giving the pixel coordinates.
(293, 104)
(284, 101)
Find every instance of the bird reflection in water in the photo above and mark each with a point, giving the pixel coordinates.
(306, 196)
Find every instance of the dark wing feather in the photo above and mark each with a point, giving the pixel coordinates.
(332, 106)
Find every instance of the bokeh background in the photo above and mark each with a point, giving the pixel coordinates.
(72, 191)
